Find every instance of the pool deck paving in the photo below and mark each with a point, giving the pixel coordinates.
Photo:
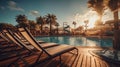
(85, 58)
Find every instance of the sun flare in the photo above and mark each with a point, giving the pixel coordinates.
(92, 20)
(92, 16)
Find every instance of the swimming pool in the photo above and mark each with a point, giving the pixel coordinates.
(78, 41)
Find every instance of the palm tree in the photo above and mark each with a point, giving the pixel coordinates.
(57, 24)
(32, 26)
(54, 18)
(74, 23)
(41, 20)
(22, 20)
(51, 19)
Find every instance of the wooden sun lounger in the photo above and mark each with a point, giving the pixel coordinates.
(52, 52)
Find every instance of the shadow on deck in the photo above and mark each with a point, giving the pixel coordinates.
(84, 59)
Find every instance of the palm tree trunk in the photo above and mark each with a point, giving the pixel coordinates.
(57, 30)
(74, 29)
(50, 28)
(41, 28)
(116, 44)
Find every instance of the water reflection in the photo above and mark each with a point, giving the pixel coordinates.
(78, 41)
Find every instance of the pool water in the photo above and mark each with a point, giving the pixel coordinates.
(78, 41)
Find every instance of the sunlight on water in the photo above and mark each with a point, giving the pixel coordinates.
(78, 41)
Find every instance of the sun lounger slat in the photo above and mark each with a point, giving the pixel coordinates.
(84, 61)
(79, 64)
(97, 62)
(88, 63)
(93, 63)
(76, 61)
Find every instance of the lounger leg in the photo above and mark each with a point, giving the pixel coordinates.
(36, 62)
(60, 61)
(77, 51)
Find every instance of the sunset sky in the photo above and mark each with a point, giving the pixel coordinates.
(65, 10)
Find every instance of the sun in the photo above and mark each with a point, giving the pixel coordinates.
(89, 19)
(92, 20)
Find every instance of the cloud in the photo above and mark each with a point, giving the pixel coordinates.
(90, 15)
(107, 15)
(13, 6)
(34, 13)
(80, 18)
(2, 7)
